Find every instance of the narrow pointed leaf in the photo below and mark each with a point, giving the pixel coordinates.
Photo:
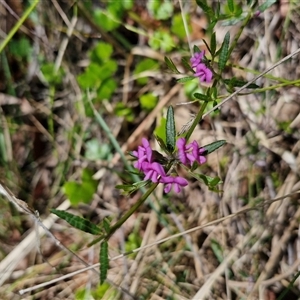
(171, 65)
(213, 146)
(213, 44)
(187, 64)
(186, 79)
(78, 222)
(106, 225)
(239, 83)
(266, 5)
(196, 49)
(170, 130)
(201, 97)
(207, 46)
(230, 5)
(104, 261)
(223, 57)
(210, 182)
(202, 4)
(161, 143)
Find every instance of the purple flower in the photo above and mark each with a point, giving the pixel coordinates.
(153, 171)
(197, 153)
(203, 73)
(176, 182)
(182, 155)
(144, 154)
(190, 153)
(197, 58)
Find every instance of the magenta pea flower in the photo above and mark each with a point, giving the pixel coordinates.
(190, 153)
(176, 182)
(182, 155)
(144, 154)
(153, 171)
(203, 73)
(197, 58)
(197, 152)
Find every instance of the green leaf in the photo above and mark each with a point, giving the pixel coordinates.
(178, 26)
(52, 77)
(106, 19)
(160, 131)
(217, 249)
(148, 101)
(145, 65)
(162, 10)
(102, 51)
(171, 65)
(223, 57)
(207, 46)
(104, 261)
(106, 224)
(210, 182)
(213, 146)
(131, 188)
(186, 62)
(234, 20)
(266, 5)
(201, 97)
(161, 143)
(78, 222)
(213, 44)
(170, 130)
(122, 110)
(196, 49)
(96, 150)
(186, 79)
(161, 40)
(81, 192)
(106, 89)
(20, 48)
(230, 5)
(233, 82)
(202, 4)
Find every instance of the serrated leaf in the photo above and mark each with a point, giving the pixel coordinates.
(186, 79)
(223, 57)
(201, 97)
(213, 44)
(104, 261)
(266, 5)
(170, 130)
(213, 146)
(230, 5)
(171, 65)
(78, 222)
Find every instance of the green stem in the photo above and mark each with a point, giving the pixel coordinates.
(18, 24)
(196, 121)
(111, 137)
(119, 223)
(237, 36)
